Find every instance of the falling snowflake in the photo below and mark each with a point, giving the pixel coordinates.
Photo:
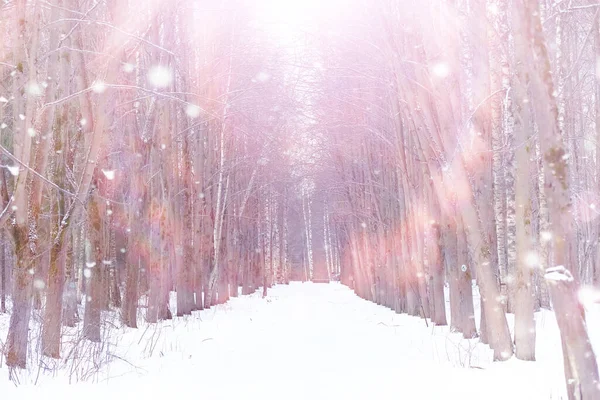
(106, 262)
(34, 89)
(83, 121)
(109, 174)
(192, 111)
(39, 284)
(3, 99)
(90, 264)
(262, 77)
(463, 268)
(127, 67)
(160, 76)
(99, 87)
(122, 250)
(441, 70)
(87, 273)
(493, 9)
(31, 132)
(13, 169)
(532, 259)
(546, 236)
(109, 212)
(3, 126)
(22, 117)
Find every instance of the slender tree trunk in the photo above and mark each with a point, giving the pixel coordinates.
(93, 305)
(2, 271)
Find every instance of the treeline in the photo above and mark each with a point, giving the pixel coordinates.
(462, 144)
(138, 150)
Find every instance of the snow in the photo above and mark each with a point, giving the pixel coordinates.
(109, 174)
(304, 340)
(557, 274)
(441, 70)
(34, 89)
(13, 169)
(160, 76)
(99, 87)
(192, 111)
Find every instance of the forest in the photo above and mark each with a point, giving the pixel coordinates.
(163, 157)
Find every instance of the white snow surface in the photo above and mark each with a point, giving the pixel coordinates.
(303, 341)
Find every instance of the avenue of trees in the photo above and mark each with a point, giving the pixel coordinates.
(150, 151)
(460, 143)
(140, 156)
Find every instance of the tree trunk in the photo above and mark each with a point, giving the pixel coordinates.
(51, 328)
(2, 272)
(18, 330)
(93, 305)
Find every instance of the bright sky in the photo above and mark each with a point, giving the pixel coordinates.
(287, 19)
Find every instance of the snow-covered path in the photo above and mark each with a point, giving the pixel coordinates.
(304, 341)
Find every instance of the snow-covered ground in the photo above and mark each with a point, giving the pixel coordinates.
(304, 341)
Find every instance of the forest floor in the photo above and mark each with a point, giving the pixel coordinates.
(303, 341)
